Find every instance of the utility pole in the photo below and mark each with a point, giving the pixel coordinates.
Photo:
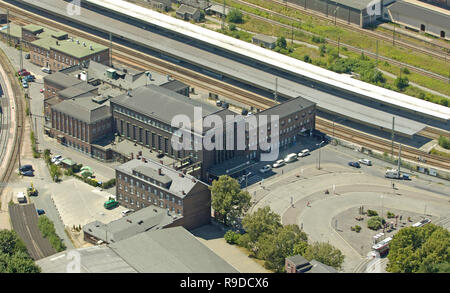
(276, 89)
(110, 49)
(292, 34)
(339, 43)
(21, 55)
(376, 64)
(392, 136)
(223, 15)
(8, 26)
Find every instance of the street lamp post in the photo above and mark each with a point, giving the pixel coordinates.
(320, 145)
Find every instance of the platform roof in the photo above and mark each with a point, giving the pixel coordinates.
(261, 79)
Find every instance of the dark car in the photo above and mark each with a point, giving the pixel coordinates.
(225, 105)
(219, 103)
(244, 112)
(40, 211)
(27, 56)
(354, 164)
(24, 168)
(27, 173)
(29, 78)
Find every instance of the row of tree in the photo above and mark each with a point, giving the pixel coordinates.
(14, 257)
(265, 237)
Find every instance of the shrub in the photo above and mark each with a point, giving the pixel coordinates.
(372, 213)
(317, 39)
(232, 237)
(47, 229)
(108, 184)
(390, 215)
(444, 142)
(232, 27)
(405, 70)
(235, 15)
(375, 223)
(401, 83)
(244, 241)
(357, 228)
(307, 59)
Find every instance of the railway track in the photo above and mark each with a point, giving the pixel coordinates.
(435, 53)
(434, 133)
(335, 43)
(20, 121)
(143, 61)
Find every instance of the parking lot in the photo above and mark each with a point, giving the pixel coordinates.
(79, 203)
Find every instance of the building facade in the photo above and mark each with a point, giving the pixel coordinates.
(141, 183)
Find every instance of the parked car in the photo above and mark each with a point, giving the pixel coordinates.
(24, 168)
(127, 212)
(40, 212)
(46, 70)
(278, 164)
(219, 103)
(21, 70)
(27, 173)
(21, 198)
(225, 105)
(422, 223)
(265, 169)
(29, 78)
(244, 112)
(304, 153)
(27, 56)
(24, 84)
(290, 158)
(354, 164)
(59, 161)
(56, 158)
(24, 73)
(42, 90)
(365, 162)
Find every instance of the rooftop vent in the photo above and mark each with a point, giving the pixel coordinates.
(183, 193)
(140, 222)
(155, 210)
(129, 221)
(181, 175)
(84, 44)
(90, 47)
(159, 171)
(78, 42)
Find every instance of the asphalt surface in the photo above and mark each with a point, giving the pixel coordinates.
(24, 220)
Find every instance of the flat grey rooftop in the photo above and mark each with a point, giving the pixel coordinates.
(420, 13)
(170, 250)
(84, 109)
(327, 102)
(97, 259)
(146, 219)
(179, 184)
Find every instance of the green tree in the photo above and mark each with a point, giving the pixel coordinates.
(419, 249)
(55, 172)
(261, 222)
(281, 43)
(228, 199)
(401, 83)
(375, 223)
(235, 15)
(325, 253)
(274, 248)
(21, 263)
(10, 243)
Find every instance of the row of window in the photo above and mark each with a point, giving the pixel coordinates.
(143, 205)
(143, 119)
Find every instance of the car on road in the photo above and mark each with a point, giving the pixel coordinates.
(290, 158)
(304, 153)
(127, 212)
(40, 212)
(278, 164)
(56, 158)
(265, 169)
(365, 162)
(354, 164)
(46, 70)
(27, 56)
(24, 168)
(29, 78)
(110, 204)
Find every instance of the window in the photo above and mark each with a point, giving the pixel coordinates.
(120, 186)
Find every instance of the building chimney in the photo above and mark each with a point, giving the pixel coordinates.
(159, 171)
(143, 159)
(140, 153)
(181, 175)
(161, 162)
(132, 156)
(183, 193)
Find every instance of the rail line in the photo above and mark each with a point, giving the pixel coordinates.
(344, 24)
(335, 43)
(141, 61)
(20, 120)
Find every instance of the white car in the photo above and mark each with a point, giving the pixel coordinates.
(126, 212)
(365, 162)
(278, 164)
(265, 169)
(304, 153)
(57, 162)
(290, 158)
(56, 158)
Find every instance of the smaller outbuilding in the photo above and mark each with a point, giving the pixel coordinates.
(264, 40)
(163, 5)
(188, 13)
(217, 10)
